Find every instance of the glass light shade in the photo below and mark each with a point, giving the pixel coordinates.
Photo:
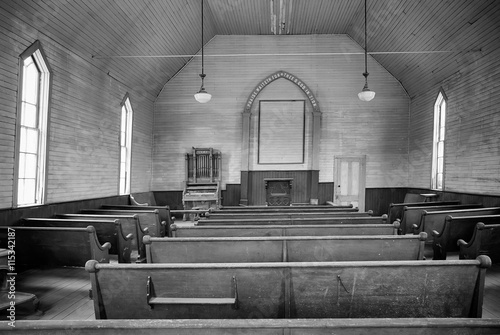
(202, 96)
(366, 94)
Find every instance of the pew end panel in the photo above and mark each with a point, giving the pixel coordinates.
(484, 241)
(455, 228)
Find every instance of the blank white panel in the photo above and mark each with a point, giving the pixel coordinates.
(281, 132)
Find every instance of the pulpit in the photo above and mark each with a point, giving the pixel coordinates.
(278, 191)
(203, 178)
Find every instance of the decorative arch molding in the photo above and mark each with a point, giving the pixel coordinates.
(245, 143)
(275, 76)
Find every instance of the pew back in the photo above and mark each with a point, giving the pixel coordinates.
(283, 230)
(434, 220)
(130, 225)
(57, 246)
(296, 221)
(163, 211)
(149, 219)
(284, 249)
(277, 215)
(106, 230)
(412, 215)
(395, 210)
(391, 289)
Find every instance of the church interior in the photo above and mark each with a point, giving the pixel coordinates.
(253, 131)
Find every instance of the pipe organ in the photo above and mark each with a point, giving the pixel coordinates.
(203, 178)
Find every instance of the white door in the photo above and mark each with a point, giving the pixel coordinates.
(350, 175)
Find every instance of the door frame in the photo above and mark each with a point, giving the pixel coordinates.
(362, 177)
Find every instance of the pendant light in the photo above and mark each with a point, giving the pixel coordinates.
(202, 96)
(366, 94)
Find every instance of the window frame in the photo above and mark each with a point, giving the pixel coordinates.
(439, 142)
(36, 53)
(124, 175)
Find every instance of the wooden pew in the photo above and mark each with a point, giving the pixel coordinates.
(454, 229)
(106, 230)
(57, 246)
(412, 215)
(272, 208)
(149, 218)
(324, 326)
(434, 220)
(283, 230)
(282, 215)
(284, 249)
(395, 210)
(131, 224)
(284, 209)
(297, 221)
(163, 211)
(368, 289)
(484, 241)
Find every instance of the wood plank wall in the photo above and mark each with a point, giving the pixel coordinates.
(472, 142)
(84, 124)
(349, 126)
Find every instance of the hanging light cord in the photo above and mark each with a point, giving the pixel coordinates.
(202, 75)
(366, 51)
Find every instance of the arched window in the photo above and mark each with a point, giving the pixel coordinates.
(125, 146)
(437, 180)
(32, 125)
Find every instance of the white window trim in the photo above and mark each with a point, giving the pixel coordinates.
(125, 189)
(35, 51)
(439, 118)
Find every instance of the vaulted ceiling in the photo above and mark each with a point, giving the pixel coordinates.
(144, 43)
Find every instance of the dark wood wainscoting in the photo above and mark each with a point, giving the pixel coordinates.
(378, 199)
(304, 185)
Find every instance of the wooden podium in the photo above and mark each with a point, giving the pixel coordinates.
(203, 177)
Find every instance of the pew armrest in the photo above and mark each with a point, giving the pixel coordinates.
(153, 300)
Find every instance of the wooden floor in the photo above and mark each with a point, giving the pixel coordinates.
(63, 294)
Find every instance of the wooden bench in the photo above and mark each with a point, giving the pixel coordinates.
(284, 209)
(278, 215)
(297, 221)
(57, 246)
(434, 220)
(454, 229)
(368, 289)
(284, 249)
(395, 210)
(149, 218)
(324, 326)
(484, 241)
(131, 224)
(163, 211)
(182, 230)
(328, 205)
(412, 215)
(106, 230)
